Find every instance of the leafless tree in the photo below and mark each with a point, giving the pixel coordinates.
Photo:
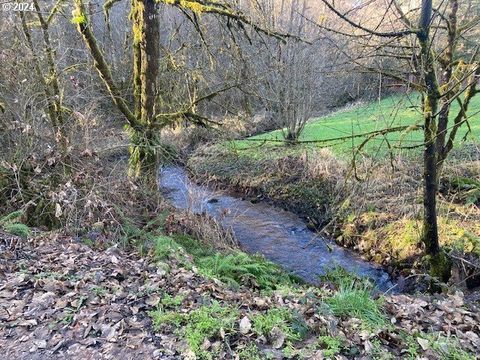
(440, 60)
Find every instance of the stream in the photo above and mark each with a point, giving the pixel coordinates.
(281, 236)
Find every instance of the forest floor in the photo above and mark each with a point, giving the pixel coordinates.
(62, 299)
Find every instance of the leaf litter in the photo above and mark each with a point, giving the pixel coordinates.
(60, 299)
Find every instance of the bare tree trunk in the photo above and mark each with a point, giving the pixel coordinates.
(430, 227)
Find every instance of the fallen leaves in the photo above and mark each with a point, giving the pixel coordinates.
(61, 299)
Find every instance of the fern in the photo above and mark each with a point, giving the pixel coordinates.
(239, 268)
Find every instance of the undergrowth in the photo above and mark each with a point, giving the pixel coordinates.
(353, 298)
(212, 321)
(234, 268)
(290, 324)
(239, 268)
(350, 301)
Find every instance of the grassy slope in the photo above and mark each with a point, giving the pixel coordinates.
(389, 112)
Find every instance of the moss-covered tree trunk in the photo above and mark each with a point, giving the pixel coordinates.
(141, 122)
(48, 79)
(145, 139)
(438, 266)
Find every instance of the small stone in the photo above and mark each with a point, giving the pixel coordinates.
(245, 325)
(157, 353)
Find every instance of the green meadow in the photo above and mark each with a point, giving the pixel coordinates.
(393, 111)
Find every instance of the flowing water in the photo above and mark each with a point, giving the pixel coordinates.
(279, 235)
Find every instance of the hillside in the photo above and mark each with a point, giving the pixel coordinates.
(366, 117)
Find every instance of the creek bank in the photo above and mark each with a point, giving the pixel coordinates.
(278, 235)
(60, 298)
(379, 217)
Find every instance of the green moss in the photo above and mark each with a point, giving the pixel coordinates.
(78, 17)
(403, 238)
(440, 266)
(18, 229)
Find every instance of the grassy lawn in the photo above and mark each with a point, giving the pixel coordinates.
(393, 111)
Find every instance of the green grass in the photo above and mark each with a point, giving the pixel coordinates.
(389, 112)
(205, 322)
(447, 348)
(232, 268)
(292, 326)
(165, 247)
(250, 352)
(331, 345)
(356, 301)
(339, 277)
